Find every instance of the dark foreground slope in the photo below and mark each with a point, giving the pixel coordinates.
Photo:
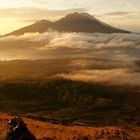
(49, 131)
(96, 104)
(75, 22)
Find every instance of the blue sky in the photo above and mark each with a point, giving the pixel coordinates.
(18, 13)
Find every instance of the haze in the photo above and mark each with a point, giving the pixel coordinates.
(97, 54)
(57, 45)
(19, 13)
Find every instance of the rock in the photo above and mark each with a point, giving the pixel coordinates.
(17, 130)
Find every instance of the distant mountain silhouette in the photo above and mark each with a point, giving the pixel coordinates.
(40, 26)
(75, 22)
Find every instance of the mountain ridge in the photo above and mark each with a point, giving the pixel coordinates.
(75, 22)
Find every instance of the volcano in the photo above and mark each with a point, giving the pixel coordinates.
(75, 22)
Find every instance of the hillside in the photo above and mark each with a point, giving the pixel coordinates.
(40, 26)
(49, 131)
(59, 98)
(65, 109)
(55, 105)
(82, 23)
(75, 22)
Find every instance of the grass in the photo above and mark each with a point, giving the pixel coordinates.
(43, 131)
(65, 109)
(94, 103)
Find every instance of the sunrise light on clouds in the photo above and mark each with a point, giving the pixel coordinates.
(69, 70)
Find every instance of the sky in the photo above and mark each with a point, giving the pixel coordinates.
(19, 13)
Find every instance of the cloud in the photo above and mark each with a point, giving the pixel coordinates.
(39, 1)
(89, 70)
(29, 14)
(71, 45)
(95, 57)
(119, 13)
(131, 5)
(111, 76)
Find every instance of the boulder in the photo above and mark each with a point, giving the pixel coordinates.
(17, 130)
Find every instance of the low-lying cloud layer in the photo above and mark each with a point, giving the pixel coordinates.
(70, 55)
(90, 70)
(53, 45)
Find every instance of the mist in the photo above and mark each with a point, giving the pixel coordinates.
(89, 70)
(106, 58)
(56, 45)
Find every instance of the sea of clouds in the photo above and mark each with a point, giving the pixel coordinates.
(53, 45)
(108, 58)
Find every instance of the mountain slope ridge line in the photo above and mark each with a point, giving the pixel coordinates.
(75, 22)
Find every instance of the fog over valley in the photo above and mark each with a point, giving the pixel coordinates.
(94, 57)
(58, 45)
(70, 70)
